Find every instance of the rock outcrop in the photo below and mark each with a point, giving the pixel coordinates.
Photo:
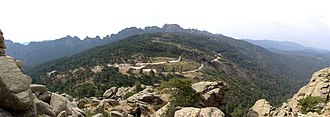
(262, 108)
(20, 98)
(153, 103)
(212, 94)
(319, 86)
(2, 44)
(118, 93)
(197, 112)
(16, 94)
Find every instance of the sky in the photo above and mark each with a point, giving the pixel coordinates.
(303, 21)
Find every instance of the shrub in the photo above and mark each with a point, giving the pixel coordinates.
(182, 93)
(309, 103)
(138, 86)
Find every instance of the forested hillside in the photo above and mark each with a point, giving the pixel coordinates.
(252, 72)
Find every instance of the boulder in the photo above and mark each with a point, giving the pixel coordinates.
(253, 113)
(110, 102)
(38, 88)
(44, 108)
(62, 114)
(78, 112)
(67, 96)
(164, 111)
(150, 98)
(122, 91)
(212, 94)
(45, 96)
(30, 112)
(108, 93)
(197, 112)
(98, 115)
(211, 112)
(262, 107)
(116, 114)
(14, 86)
(59, 104)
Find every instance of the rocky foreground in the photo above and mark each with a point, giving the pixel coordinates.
(311, 100)
(20, 98)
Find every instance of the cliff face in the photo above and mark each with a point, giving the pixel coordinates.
(310, 100)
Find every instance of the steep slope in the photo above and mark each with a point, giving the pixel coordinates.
(252, 72)
(312, 99)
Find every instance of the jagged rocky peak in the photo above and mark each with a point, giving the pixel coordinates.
(172, 27)
(312, 100)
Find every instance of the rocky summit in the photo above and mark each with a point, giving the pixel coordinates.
(312, 100)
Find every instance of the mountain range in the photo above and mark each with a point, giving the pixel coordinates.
(39, 52)
(251, 71)
(291, 48)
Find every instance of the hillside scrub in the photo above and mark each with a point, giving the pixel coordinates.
(181, 92)
(309, 103)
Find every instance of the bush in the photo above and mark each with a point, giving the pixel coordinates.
(309, 103)
(138, 86)
(182, 93)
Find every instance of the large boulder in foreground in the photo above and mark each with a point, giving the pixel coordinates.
(261, 108)
(14, 86)
(197, 112)
(212, 94)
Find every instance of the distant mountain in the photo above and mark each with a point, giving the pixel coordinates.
(251, 71)
(280, 45)
(291, 48)
(39, 52)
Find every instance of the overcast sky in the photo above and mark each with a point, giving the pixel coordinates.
(304, 21)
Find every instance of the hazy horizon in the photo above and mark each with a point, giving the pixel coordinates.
(300, 21)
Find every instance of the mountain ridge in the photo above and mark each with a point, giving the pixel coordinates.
(38, 52)
(249, 69)
(291, 48)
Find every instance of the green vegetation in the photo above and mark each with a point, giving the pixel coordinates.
(138, 86)
(309, 103)
(181, 92)
(251, 72)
